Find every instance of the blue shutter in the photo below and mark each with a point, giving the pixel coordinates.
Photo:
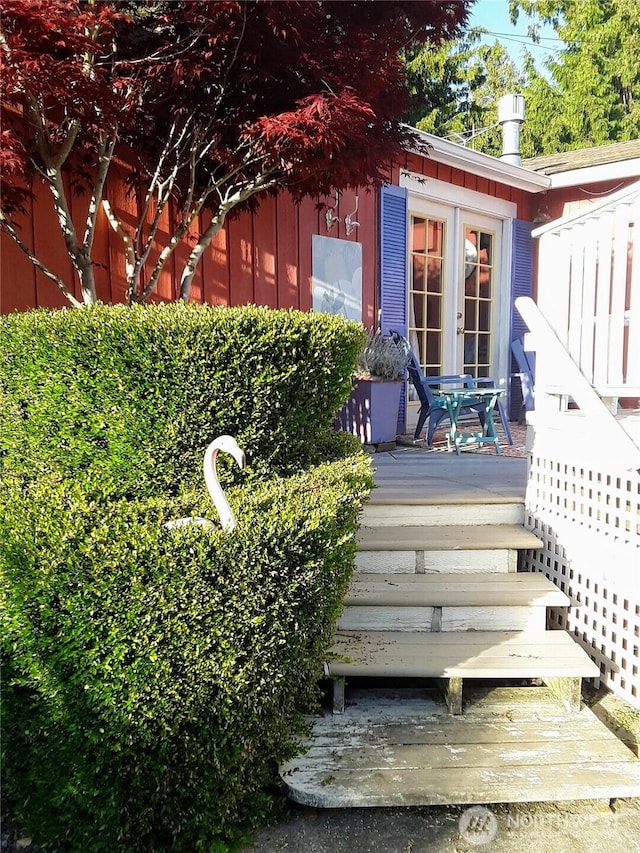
(393, 270)
(521, 285)
(393, 259)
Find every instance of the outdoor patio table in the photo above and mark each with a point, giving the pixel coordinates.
(455, 399)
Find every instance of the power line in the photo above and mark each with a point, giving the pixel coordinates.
(523, 36)
(527, 40)
(524, 41)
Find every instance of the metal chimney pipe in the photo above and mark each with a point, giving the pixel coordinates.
(510, 117)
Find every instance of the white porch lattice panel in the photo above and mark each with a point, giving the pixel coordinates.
(587, 514)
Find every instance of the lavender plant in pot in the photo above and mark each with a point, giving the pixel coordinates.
(371, 412)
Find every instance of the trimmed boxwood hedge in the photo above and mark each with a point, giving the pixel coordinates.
(128, 398)
(153, 679)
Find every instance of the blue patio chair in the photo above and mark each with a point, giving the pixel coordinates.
(432, 405)
(525, 374)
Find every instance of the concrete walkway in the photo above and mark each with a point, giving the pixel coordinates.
(581, 827)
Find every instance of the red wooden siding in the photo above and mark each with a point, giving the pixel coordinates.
(17, 273)
(262, 258)
(287, 254)
(565, 200)
(450, 175)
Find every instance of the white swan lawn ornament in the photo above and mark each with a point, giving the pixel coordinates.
(229, 445)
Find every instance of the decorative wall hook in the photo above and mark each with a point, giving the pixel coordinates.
(331, 217)
(349, 222)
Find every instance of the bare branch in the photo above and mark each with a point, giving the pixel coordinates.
(151, 187)
(141, 257)
(105, 155)
(51, 159)
(161, 56)
(163, 191)
(243, 193)
(223, 85)
(53, 177)
(65, 148)
(164, 256)
(120, 229)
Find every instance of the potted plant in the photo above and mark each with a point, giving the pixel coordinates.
(371, 412)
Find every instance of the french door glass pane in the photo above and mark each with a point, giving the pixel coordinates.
(426, 293)
(479, 271)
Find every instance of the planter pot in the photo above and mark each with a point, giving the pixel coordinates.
(371, 412)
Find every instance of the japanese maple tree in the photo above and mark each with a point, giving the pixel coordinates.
(210, 104)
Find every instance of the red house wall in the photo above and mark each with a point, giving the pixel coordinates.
(564, 200)
(262, 257)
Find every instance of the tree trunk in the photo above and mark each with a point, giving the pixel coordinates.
(87, 280)
(196, 254)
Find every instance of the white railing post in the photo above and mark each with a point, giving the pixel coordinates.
(603, 283)
(589, 290)
(633, 318)
(617, 299)
(583, 502)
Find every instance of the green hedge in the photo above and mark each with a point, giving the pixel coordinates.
(153, 679)
(129, 398)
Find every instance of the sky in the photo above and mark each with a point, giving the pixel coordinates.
(493, 15)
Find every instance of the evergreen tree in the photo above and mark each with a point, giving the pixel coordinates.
(441, 81)
(592, 96)
(455, 89)
(588, 93)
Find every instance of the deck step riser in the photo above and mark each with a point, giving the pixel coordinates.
(430, 619)
(395, 515)
(427, 562)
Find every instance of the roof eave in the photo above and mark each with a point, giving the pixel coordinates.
(597, 174)
(476, 163)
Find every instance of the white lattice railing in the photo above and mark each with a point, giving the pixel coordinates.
(583, 502)
(589, 289)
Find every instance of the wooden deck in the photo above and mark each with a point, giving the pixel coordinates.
(449, 537)
(510, 745)
(411, 476)
(437, 601)
(440, 548)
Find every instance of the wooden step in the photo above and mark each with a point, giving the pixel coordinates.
(454, 656)
(518, 589)
(466, 654)
(400, 747)
(449, 602)
(450, 548)
(393, 511)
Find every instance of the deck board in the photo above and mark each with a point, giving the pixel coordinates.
(454, 590)
(451, 537)
(409, 751)
(465, 654)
